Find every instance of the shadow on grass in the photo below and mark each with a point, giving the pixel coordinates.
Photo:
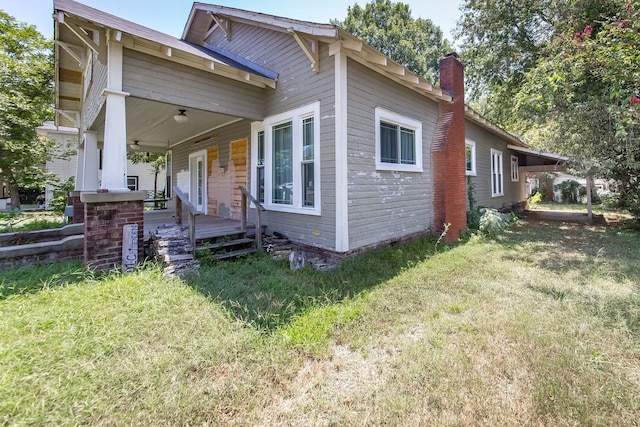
(564, 246)
(587, 252)
(267, 294)
(32, 279)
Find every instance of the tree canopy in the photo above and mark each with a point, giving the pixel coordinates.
(389, 27)
(26, 101)
(564, 75)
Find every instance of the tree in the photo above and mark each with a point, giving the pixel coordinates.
(26, 101)
(156, 161)
(574, 88)
(389, 27)
(503, 40)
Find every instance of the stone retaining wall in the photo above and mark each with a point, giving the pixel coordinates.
(40, 236)
(69, 248)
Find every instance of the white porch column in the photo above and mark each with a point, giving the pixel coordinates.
(114, 155)
(79, 184)
(90, 173)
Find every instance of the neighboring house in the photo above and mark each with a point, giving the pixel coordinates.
(345, 148)
(140, 176)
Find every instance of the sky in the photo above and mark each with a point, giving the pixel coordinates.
(170, 16)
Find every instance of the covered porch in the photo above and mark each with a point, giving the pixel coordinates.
(130, 89)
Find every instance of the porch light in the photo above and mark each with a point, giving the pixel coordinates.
(135, 145)
(182, 117)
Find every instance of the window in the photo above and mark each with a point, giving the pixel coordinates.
(398, 142)
(470, 153)
(496, 173)
(260, 166)
(515, 176)
(132, 183)
(284, 158)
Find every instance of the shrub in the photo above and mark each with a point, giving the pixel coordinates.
(535, 200)
(493, 223)
(570, 191)
(60, 190)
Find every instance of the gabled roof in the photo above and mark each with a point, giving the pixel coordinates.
(262, 20)
(206, 18)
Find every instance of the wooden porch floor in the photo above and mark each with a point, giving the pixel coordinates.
(206, 225)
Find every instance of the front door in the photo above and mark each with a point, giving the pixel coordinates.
(198, 181)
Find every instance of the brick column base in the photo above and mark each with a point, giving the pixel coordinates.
(105, 216)
(73, 199)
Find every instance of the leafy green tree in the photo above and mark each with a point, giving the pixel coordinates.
(26, 101)
(417, 44)
(503, 40)
(575, 91)
(156, 161)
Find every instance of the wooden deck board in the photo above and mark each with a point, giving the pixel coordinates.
(206, 225)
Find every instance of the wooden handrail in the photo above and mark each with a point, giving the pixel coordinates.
(259, 209)
(251, 198)
(184, 199)
(193, 212)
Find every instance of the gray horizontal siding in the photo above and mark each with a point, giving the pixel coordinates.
(297, 85)
(385, 205)
(95, 99)
(161, 80)
(485, 141)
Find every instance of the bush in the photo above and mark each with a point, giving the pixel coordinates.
(493, 223)
(60, 190)
(535, 200)
(473, 219)
(571, 191)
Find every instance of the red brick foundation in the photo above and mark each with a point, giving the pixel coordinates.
(73, 199)
(448, 152)
(105, 216)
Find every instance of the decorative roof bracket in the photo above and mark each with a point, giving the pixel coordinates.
(222, 23)
(81, 32)
(309, 47)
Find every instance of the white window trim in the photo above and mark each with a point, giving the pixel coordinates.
(472, 144)
(498, 154)
(515, 174)
(396, 119)
(256, 127)
(295, 116)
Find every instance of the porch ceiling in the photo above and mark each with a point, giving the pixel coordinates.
(151, 123)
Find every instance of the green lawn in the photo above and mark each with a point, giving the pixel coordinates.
(17, 221)
(538, 327)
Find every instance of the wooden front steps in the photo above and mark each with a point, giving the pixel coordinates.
(227, 245)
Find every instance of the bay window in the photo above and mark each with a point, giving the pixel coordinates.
(285, 151)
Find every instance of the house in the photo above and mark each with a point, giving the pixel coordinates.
(345, 148)
(140, 176)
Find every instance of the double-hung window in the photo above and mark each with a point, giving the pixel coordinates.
(285, 161)
(470, 154)
(496, 173)
(515, 175)
(398, 142)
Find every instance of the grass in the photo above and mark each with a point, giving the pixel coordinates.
(20, 221)
(540, 326)
(603, 209)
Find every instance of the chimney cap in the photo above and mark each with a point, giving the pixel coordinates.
(454, 54)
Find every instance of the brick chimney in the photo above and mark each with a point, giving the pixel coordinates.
(448, 154)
